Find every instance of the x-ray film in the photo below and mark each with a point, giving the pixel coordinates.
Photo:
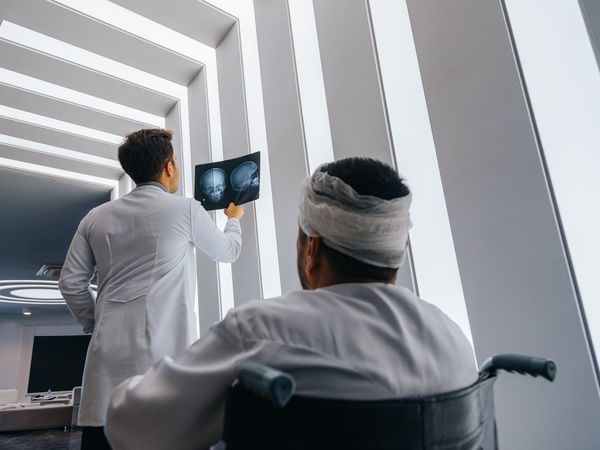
(231, 181)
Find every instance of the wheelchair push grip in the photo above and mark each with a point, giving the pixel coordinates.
(523, 364)
(272, 385)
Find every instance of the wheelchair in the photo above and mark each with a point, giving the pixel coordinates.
(262, 413)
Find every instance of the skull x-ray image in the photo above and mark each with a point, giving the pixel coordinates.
(214, 183)
(244, 176)
(231, 181)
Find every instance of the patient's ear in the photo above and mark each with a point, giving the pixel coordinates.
(313, 254)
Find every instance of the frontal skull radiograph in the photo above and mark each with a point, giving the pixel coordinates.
(245, 176)
(214, 183)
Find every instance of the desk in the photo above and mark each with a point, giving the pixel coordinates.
(33, 416)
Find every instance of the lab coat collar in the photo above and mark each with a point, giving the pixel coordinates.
(153, 183)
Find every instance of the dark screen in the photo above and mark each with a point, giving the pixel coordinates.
(57, 362)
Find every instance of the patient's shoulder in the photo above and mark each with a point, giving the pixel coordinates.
(261, 319)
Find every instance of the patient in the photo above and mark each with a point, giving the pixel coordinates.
(350, 334)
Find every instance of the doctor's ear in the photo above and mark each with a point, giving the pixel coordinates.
(169, 168)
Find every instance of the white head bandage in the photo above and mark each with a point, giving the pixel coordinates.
(364, 227)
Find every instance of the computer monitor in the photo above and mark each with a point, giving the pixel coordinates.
(57, 363)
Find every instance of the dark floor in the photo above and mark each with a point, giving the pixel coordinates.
(41, 440)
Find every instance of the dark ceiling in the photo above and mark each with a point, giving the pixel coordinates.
(39, 215)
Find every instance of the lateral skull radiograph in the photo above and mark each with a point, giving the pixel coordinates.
(245, 176)
(231, 181)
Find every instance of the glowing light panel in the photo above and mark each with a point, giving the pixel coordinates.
(34, 294)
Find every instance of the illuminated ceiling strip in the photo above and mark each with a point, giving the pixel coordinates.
(311, 87)
(5, 287)
(59, 125)
(25, 301)
(20, 282)
(265, 216)
(51, 90)
(436, 266)
(40, 303)
(60, 173)
(59, 49)
(140, 26)
(32, 300)
(36, 283)
(226, 291)
(37, 293)
(58, 151)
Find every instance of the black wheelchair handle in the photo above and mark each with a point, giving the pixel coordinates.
(530, 365)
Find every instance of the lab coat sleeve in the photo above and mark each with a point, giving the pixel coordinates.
(223, 246)
(74, 283)
(178, 404)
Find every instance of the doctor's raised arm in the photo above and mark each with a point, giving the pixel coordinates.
(223, 246)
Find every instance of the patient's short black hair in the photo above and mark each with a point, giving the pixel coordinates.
(367, 176)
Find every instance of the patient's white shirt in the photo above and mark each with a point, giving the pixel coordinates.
(359, 341)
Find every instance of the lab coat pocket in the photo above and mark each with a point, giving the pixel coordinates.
(121, 337)
(132, 266)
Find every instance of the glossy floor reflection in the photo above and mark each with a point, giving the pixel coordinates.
(41, 440)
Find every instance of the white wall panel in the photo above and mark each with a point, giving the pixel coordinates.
(196, 19)
(11, 334)
(564, 89)
(514, 273)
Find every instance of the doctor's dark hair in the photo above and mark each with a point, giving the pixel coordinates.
(144, 153)
(367, 176)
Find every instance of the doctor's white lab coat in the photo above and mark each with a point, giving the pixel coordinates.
(356, 341)
(142, 247)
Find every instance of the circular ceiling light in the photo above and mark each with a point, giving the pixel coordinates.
(32, 292)
(38, 294)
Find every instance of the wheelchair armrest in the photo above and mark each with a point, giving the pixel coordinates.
(522, 364)
(270, 384)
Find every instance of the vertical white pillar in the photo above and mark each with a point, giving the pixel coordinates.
(208, 276)
(285, 134)
(236, 142)
(311, 88)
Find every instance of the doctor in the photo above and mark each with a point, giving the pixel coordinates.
(351, 334)
(141, 247)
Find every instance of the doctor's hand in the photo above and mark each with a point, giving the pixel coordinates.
(234, 212)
